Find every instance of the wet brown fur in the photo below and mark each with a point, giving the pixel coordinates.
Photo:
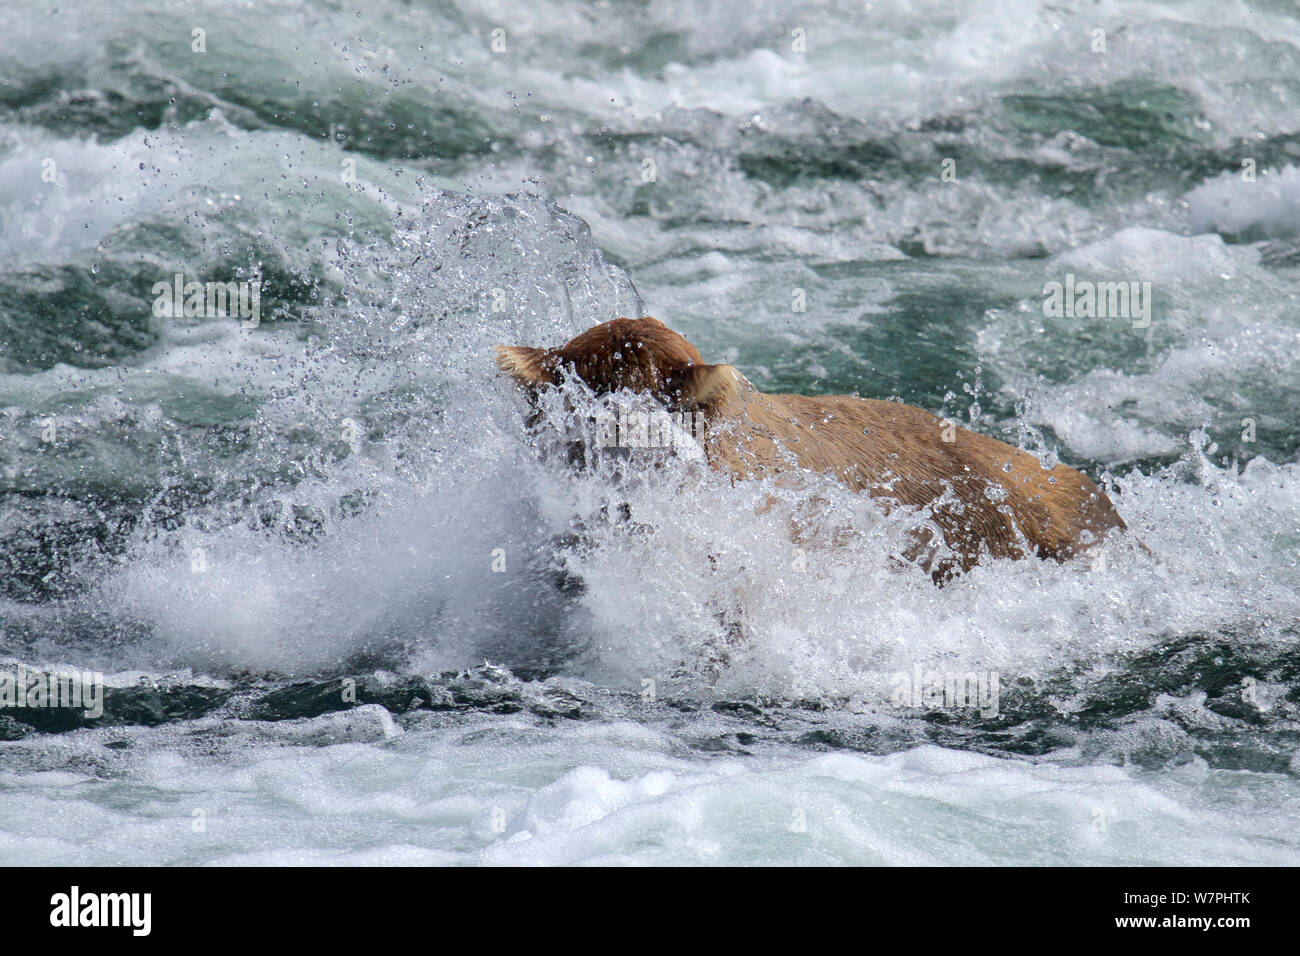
(987, 497)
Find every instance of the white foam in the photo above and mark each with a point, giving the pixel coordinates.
(507, 792)
(1268, 203)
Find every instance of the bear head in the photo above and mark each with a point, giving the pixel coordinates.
(641, 355)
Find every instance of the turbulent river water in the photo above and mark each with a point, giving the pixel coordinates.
(334, 587)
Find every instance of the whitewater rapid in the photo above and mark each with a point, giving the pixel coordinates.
(231, 523)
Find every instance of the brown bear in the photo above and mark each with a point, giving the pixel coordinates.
(986, 497)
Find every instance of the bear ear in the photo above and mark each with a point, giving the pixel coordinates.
(525, 365)
(711, 384)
